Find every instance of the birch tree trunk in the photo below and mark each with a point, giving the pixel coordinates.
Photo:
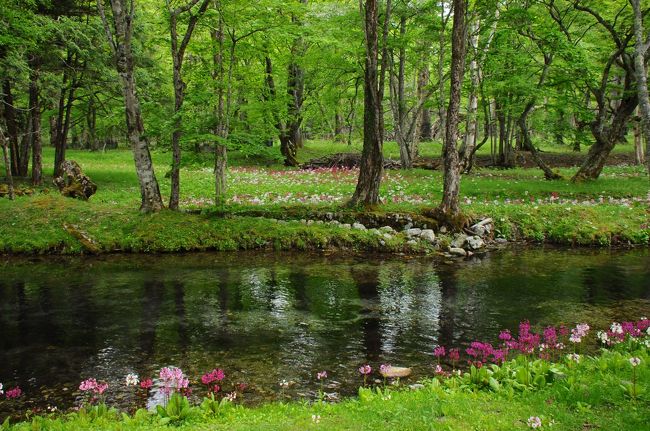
(119, 37)
(641, 75)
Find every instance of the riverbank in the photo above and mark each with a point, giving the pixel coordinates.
(51, 224)
(266, 205)
(575, 391)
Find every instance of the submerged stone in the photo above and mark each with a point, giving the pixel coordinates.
(394, 372)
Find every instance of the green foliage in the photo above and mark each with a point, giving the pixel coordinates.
(176, 411)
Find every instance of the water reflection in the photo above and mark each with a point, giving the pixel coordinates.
(268, 318)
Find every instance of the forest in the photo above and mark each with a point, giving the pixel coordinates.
(202, 79)
(324, 214)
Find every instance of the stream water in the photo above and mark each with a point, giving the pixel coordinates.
(264, 318)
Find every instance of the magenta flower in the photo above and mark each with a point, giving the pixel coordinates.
(505, 335)
(146, 384)
(365, 369)
(215, 375)
(13, 393)
(321, 375)
(454, 354)
(384, 369)
(439, 352)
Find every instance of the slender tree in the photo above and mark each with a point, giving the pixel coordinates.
(372, 159)
(640, 50)
(178, 56)
(119, 36)
(449, 207)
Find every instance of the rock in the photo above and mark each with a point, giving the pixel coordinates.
(413, 232)
(408, 226)
(310, 222)
(475, 242)
(382, 242)
(501, 240)
(387, 236)
(303, 221)
(443, 229)
(374, 231)
(329, 216)
(320, 222)
(387, 229)
(416, 386)
(459, 241)
(393, 372)
(358, 226)
(479, 230)
(428, 235)
(412, 242)
(457, 251)
(335, 222)
(346, 226)
(273, 220)
(73, 182)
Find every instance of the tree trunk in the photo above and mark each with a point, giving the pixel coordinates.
(372, 159)
(641, 75)
(11, 122)
(178, 56)
(35, 112)
(5, 153)
(441, 71)
(451, 187)
(220, 168)
(471, 131)
(639, 157)
(121, 45)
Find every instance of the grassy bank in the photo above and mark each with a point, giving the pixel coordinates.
(593, 393)
(610, 211)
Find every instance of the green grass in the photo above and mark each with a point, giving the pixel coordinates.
(611, 210)
(586, 395)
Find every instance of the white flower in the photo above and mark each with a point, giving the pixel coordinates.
(132, 379)
(602, 336)
(284, 384)
(231, 396)
(534, 422)
(616, 328)
(575, 338)
(1, 389)
(635, 361)
(315, 418)
(573, 357)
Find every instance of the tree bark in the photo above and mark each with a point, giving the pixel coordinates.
(11, 122)
(641, 75)
(35, 116)
(451, 188)
(222, 112)
(372, 159)
(178, 56)
(120, 40)
(5, 153)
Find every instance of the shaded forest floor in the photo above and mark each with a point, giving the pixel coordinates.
(612, 210)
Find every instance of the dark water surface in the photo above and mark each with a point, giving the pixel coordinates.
(264, 318)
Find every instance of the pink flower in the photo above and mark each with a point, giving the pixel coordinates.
(321, 375)
(454, 354)
(215, 375)
(13, 393)
(365, 369)
(505, 335)
(384, 369)
(439, 351)
(173, 380)
(101, 388)
(146, 384)
(91, 385)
